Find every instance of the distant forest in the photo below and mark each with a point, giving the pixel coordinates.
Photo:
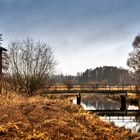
(99, 75)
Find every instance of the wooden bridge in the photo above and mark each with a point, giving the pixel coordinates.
(121, 90)
(102, 89)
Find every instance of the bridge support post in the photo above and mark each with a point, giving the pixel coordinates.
(79, 99)
(123, 102)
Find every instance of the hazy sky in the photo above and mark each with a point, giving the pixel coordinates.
(83, 33)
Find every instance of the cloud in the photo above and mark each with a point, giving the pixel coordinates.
(84, 33)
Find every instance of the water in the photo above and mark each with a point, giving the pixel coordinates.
(99, 102)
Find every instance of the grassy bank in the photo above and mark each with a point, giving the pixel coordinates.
(38, 117)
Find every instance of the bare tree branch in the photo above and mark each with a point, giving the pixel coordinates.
(31, 63)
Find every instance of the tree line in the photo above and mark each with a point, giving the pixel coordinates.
(99, 75)
(106, 75)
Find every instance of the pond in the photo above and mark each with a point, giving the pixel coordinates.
(101, 102)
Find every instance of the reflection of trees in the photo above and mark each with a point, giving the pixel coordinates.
(100, 102)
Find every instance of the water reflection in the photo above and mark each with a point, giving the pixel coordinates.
(98, 102)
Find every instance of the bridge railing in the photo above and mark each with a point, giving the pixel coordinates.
(94, 87)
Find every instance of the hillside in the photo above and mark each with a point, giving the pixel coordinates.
(35, 118)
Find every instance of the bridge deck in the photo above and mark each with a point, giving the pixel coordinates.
(88, 91)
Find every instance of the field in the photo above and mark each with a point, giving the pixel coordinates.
(52, 118)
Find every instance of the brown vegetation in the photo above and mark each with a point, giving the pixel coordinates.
(39, 117)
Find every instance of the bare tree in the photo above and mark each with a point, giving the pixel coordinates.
(133, 60)
(31, 64)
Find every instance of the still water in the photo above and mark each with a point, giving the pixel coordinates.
(99, 102)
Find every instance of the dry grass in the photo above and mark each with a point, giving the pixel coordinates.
(36, 118)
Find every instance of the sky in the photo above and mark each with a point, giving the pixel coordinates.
(83, 34)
